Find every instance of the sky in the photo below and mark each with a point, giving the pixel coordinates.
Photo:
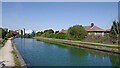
(119, 10)
(60, 0)
(57, 15)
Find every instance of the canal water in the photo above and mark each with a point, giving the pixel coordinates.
(38, 53)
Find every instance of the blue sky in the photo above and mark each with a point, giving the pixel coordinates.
(57, 15)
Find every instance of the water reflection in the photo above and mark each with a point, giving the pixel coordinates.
(82, 52)
(37, 53)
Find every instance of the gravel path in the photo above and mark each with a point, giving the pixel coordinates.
(6, 57)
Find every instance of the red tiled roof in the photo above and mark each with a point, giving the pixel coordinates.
(88, 28)
(94, 28)
(108, 30)
(63, 31)
(13, 32)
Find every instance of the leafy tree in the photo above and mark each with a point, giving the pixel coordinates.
(47, 33)
(39, 33)
(60, 35)
(50, 31)
(77, 32)
(8, 35)
(14, 34)
(51, 35)
(2, 33)
(56, 32)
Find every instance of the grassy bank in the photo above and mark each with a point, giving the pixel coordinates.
(16, 60)
(94, 44)
(100, 42)
(2, 41)
(81, 44)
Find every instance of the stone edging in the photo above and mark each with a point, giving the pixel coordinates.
(23, 64)
(82, 45)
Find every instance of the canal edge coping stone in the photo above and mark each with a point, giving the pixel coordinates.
(81, 45)
(23, 64)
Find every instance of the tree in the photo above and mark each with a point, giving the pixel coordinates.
(50, 31)
(60, 35)
(56, 32)
(39, 33)
(51, 35)
(2, 33)
(115, 31)
(14, 34)
(77, 32)
(47, 33)
(8, 35)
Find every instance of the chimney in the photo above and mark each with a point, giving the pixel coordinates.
(92, 24)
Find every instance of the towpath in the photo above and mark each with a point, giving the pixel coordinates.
(6, 56)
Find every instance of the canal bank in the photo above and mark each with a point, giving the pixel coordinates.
(114, 49)
(17, 57)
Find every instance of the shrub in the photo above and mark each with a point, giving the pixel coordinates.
(46, 34)
(60, 36)
(24, 36)
(50, 31)
(56, 32)
(8, 35)
(39, 33)
(98, 38)
(51, 36)
(76, 32)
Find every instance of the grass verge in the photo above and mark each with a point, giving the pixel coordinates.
(94, 44)
(3, 43)
(16, 60)
(100, 45)
(69, 41)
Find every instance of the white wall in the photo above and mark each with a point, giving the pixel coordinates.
(97, 33)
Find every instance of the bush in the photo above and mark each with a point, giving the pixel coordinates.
(98, 38)
(76, 32)
(46, 34)
(6, 38)
(56, 32)
(24, 36)
(60, 36)
(3, 42)
(39, 33)
(8, 35)
(50, 31)
(51, 36)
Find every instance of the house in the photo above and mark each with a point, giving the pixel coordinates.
(92, 29)
(63, 31)
(11, 31)
(108, 31)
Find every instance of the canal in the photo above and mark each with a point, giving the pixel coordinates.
(38, 53)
